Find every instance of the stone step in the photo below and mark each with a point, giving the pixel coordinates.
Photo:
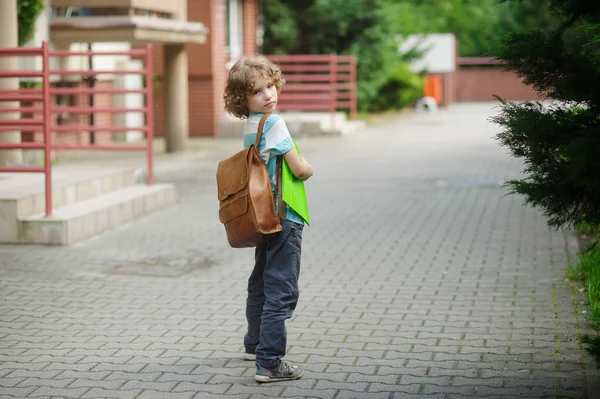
(25, 191)
(77, 222)
(22, 194)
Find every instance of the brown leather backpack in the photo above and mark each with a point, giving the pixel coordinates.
(247, 206)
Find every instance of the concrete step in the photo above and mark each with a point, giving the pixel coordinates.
(22, 194)
(79, 221)
(69, 185)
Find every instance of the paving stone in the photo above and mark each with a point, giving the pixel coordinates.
(39, 382)
(356, 395)
(64, 392)
(138, 384)
(106, 393)
(17, 392)
(11, 381)
(128, 368)
(150, 394)
(395, 388)
(314, 393)
(273, 389)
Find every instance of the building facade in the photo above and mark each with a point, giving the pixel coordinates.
(232, 32)
(194, 44)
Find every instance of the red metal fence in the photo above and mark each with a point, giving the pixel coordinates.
(317, 82)
(44, 123)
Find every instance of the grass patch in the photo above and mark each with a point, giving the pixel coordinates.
(588, 271)
(593, 346)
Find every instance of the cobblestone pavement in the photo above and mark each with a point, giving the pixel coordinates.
(420, 278)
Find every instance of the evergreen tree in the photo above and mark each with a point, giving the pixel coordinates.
(559, 140)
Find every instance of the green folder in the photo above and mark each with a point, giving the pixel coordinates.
(294, 194)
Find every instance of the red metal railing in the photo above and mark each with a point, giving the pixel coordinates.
(44, 124)
(317, 82)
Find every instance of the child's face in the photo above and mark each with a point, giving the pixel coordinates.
(263, 97)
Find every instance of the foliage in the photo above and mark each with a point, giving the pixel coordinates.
(402, 88)
(344, 26)
(525, 15)
(24, 84)
(358, 27)
(586, 228)
(369, 28)
(559, 143)
(472, 21)
(280, 30)
(588, 270)
(28, 12)
(593, 346)
(476, 23)
(589, 266)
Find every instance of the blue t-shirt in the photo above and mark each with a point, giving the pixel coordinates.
(275, 140)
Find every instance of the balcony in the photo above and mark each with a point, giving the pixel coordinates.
(167, 7)
(134, 21)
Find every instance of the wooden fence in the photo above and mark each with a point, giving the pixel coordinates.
(317, 83)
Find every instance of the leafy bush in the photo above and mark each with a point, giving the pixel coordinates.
(402, 88)
(28, 12)
(589, 268)
(588, 272)
(345, 27)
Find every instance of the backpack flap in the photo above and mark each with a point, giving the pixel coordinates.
(232, 174)
(233, 209)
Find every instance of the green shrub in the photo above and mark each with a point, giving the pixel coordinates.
(28, 12)
(559, 143)
(588, 270)
(589, 267)
(586, 228)
(401, 88)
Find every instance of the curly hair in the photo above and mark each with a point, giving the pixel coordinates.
(241, 79)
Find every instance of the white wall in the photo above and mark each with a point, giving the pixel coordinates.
(439, 48)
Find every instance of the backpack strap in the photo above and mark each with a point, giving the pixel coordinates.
(280, 203)
(278, 189)
(261, 126)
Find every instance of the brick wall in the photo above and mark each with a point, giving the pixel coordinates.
(201, 57)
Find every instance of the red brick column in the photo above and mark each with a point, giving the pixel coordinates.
(250, 19)
(207, 72)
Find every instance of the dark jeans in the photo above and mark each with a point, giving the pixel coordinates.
(273, 294)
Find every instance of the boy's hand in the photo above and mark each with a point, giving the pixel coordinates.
(311, 170)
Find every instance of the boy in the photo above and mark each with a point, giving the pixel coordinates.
(252, 89)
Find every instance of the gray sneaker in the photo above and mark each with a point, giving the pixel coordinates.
(285, 372)
(249, 356)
